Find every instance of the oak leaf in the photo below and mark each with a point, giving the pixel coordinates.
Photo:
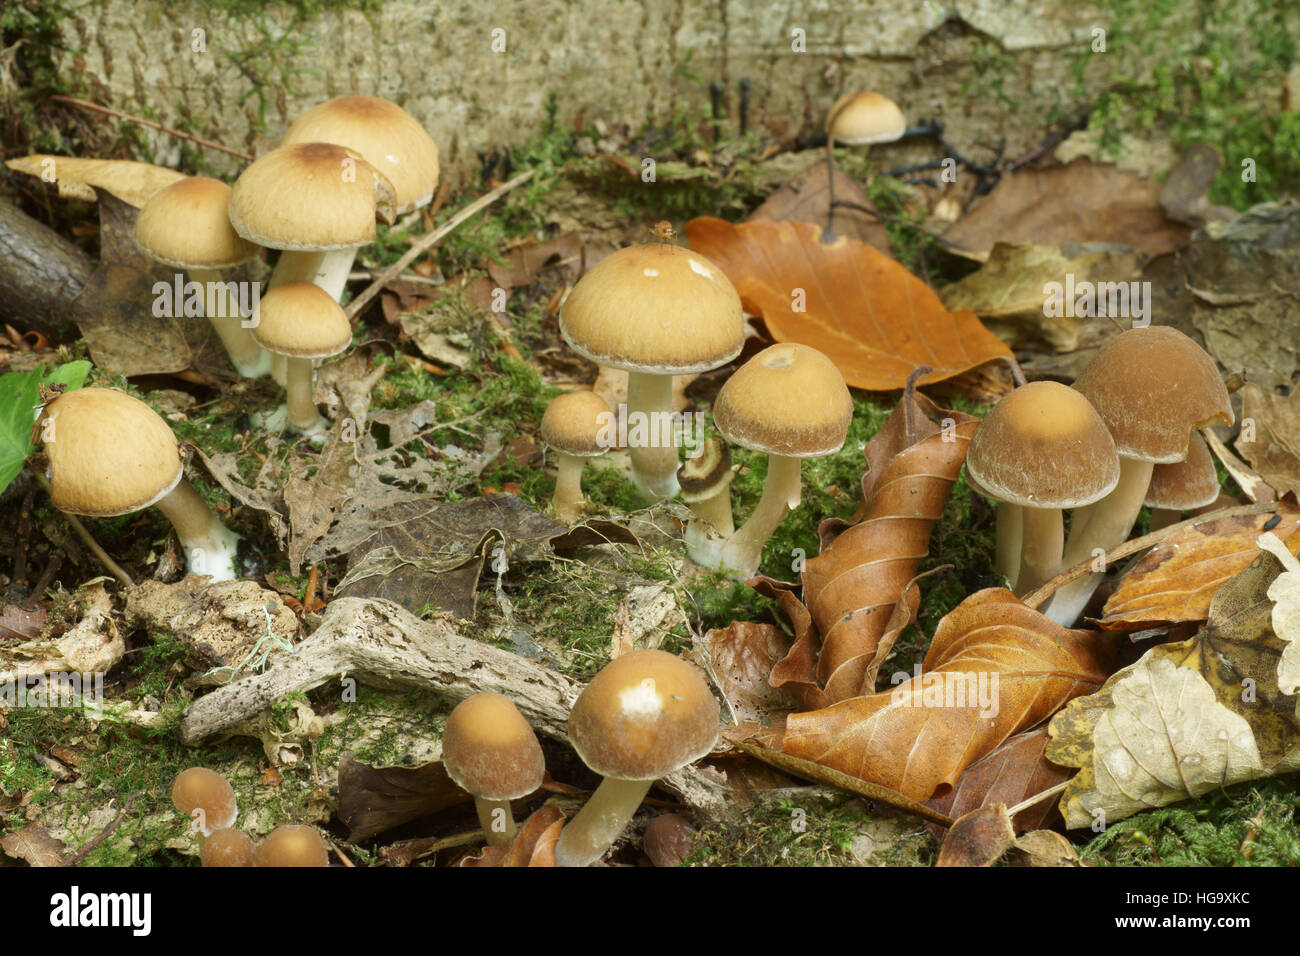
(875, 320)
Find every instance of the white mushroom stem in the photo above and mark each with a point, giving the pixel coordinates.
(588, 835)
(715, 510)
(209, 545)
(299, 403)
(498, 828)
(1009, 536)
(568, 498)
(743, 551)
(1043, 541)
(654, 462)
(1108, 524)
(222, 311)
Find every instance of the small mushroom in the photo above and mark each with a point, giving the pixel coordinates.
(705, 480)
(489, 750)
(858, 119)
(111, 454)
(186, 226)
(790, 402)
(1182, 486)
(577, 426)
(1043, 448)
(300, 321)
(227, 847)
(644, 715)
(656, 310)
(206, 798)
(293, 845)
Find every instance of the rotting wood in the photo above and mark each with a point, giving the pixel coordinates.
(41, 273)
(381, 644)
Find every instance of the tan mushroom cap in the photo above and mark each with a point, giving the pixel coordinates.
(789, 400)
(1152, 386)
(293, 845)
(576, 423)
(301, 320)
(109, 453)
(187, 226)
(645, 715)
(1187, 484)
(227, 848)
(857, 119)
(489, 750)
(655, 308)
(1043, 446)
(390, 139)
(199, 788)
(310, 196)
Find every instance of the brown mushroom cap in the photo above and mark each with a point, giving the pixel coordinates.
(575, 422)
(390, 139)
(310, 196)
(857, 119)
(293, 845)
(788, 400)
(1187, 484)
(654, 308)
(301, 320)
(1152, 386)
(1043, 446)
(186, 225)
(227, 848)
(109, 454)
(645, 715)
(199, 788)
(489, 750)
(701, 477)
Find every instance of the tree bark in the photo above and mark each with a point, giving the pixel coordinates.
(41, 273)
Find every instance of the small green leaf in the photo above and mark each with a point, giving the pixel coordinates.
(19, 396)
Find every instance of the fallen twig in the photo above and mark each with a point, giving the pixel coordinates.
(112, 566)
(104, 834)
(426, 242)
(85, 104)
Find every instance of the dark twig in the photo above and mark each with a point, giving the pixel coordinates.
(51, 569)
(84, 104)
(112, 566)
(104, 834)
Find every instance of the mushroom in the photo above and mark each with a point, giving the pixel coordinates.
(317, 202)
(206, 798)
(186, 226)
(644, 715)
(705, 481)
(1183, 486)
(858, 119)
(388, 137)
(489, 750)
(300, 321)
(293, 845)
(1151, 386)
(668, 839)
(1009, 532)
(577, 425)
(111, 454)
(1041, 449)
(656, 310)
(227, 848)
(790, 402)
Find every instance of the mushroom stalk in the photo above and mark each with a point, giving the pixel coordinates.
(249, 358)
(302, 413)
(209, 545)
(1009, 537)
(589, 834)
(494, 833)
(568, 498)
(715, 511)
(654, 461)
(1109, 522)
(327, 269)
(781, 491)
(1041, 547)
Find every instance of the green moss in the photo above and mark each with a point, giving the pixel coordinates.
(811, 831)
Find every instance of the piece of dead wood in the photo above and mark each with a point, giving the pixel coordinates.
(380, 643)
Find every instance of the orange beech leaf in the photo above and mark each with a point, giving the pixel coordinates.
(995, 668)
(873, 319)
(1177, 579)
(861, 591)
(533, 845)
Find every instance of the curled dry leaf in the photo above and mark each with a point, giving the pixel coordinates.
(34, 845)
(1285, 595)
(533, 845)
(994, 668)
(1047, 848)
(875, 320)
(131, 182)
(1274, 450)
(861, 591)
(1176, 580)
(739, 658)
(978, 839)
(375, 799)
(1188, 717)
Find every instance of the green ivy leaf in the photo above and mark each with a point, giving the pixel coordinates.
(19, 396)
